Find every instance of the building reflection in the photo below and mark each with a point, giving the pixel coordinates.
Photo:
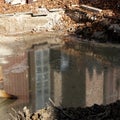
(68, 79)
(71, 80)
(39, 76)
(15, 77)
(111, 84)
(84, 80)
(94, 88)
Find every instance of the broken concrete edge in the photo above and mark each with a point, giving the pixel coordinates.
(50, 20)
(52, 38)
(40, 12)
(6, 36)
(46, 11)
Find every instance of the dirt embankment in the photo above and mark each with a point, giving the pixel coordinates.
(104, 27)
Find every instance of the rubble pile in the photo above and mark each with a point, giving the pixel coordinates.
(95, 23)
(42, 114)
(102, 23)
(95, 112)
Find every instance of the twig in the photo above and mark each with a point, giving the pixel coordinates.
(53, 104)
(20, 113)
(14, 110)
(13, 118)
(17, 115)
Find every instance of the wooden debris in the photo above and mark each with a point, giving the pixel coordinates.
(93, 9)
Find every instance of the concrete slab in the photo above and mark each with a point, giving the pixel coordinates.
(24, 22)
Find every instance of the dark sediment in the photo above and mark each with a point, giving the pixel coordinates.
(95, 112)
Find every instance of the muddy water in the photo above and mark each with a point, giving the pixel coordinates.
(70, 78)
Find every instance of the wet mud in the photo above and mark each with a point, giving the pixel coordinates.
(96, 112)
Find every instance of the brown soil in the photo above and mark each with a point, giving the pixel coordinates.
(103, 4)
(7, 8)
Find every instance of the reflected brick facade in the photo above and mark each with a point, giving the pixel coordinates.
(16, 76)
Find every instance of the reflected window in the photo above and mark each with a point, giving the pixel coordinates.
(42, 76)
(64, 61)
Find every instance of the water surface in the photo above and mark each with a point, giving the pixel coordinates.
(68, 77)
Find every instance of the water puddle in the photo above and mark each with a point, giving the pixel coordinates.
(68, 77)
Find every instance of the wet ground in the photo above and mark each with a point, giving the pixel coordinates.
(68, 77)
